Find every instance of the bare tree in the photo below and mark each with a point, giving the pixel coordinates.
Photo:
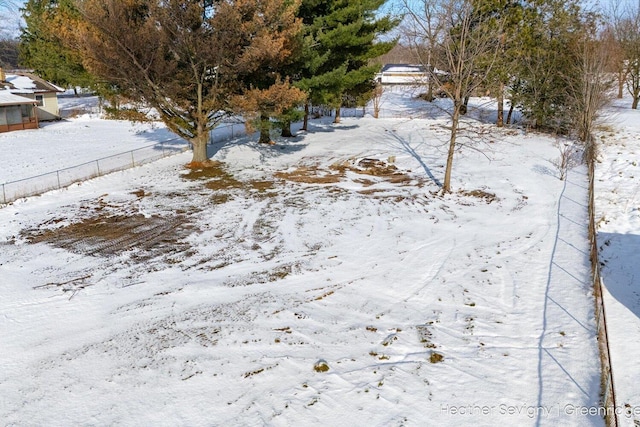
(9, 52)
(423, 36)
(591, 88)
(462, 38)
(626, 24)
(376, 99)
(567, 159)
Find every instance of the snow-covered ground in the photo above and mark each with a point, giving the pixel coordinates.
(73, 141)
(618, 212)
(160, 296)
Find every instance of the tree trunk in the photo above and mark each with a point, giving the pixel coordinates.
(455, 118)
(634, 105)
(620, 84)
(286, 129)
(464, 106)
(500, 120)
(305, 123)
(430, 90)
(337, 118)
(199, 144)
(265, 127)
(510, 114)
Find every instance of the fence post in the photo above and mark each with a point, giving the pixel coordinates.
(58, 176)
(133, 162)
(98, 165)
(4, 195)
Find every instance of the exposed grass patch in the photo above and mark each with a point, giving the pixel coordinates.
(260, 185)
(140, 193)
(218, 179)
(321, 366)
(425, 336)
(215, 174)
(220, 198)
(314, 174)
(436, 357)
(310, 175)
(480, 194)
(105, 234)
(252, 373)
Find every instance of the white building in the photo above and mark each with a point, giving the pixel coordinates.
(403, 74)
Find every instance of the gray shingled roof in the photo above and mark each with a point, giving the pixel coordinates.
(24, 82)
(8, 98)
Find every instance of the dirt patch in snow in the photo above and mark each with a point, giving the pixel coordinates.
(106, 234)
(480, 194)
(217, 177)
(375, 168)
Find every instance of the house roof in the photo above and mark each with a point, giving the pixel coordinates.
(7, 99)
(23, 82)
(403, 68)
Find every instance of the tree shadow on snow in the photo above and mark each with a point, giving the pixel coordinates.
(406, 146)
(282, 145)
(620, 269)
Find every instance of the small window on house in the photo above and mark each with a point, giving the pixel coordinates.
(40, 100)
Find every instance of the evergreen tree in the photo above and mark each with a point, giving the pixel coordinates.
(41, 46)
(340, 39)
(185, 58)
(547, 37)
(266, 89)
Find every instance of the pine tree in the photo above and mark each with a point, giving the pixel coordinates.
(545, 62)
(266, 88)
(185, 58)
(340, 39)
(41, 46)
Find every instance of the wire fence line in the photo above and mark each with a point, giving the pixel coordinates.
(607, 385)
(61, 178)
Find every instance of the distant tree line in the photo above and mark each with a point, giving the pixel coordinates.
(8, 41)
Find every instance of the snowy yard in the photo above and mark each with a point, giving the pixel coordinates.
(163, 296)
(59, 145)
(618, 212)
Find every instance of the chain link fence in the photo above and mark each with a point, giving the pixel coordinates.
(62, 178)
